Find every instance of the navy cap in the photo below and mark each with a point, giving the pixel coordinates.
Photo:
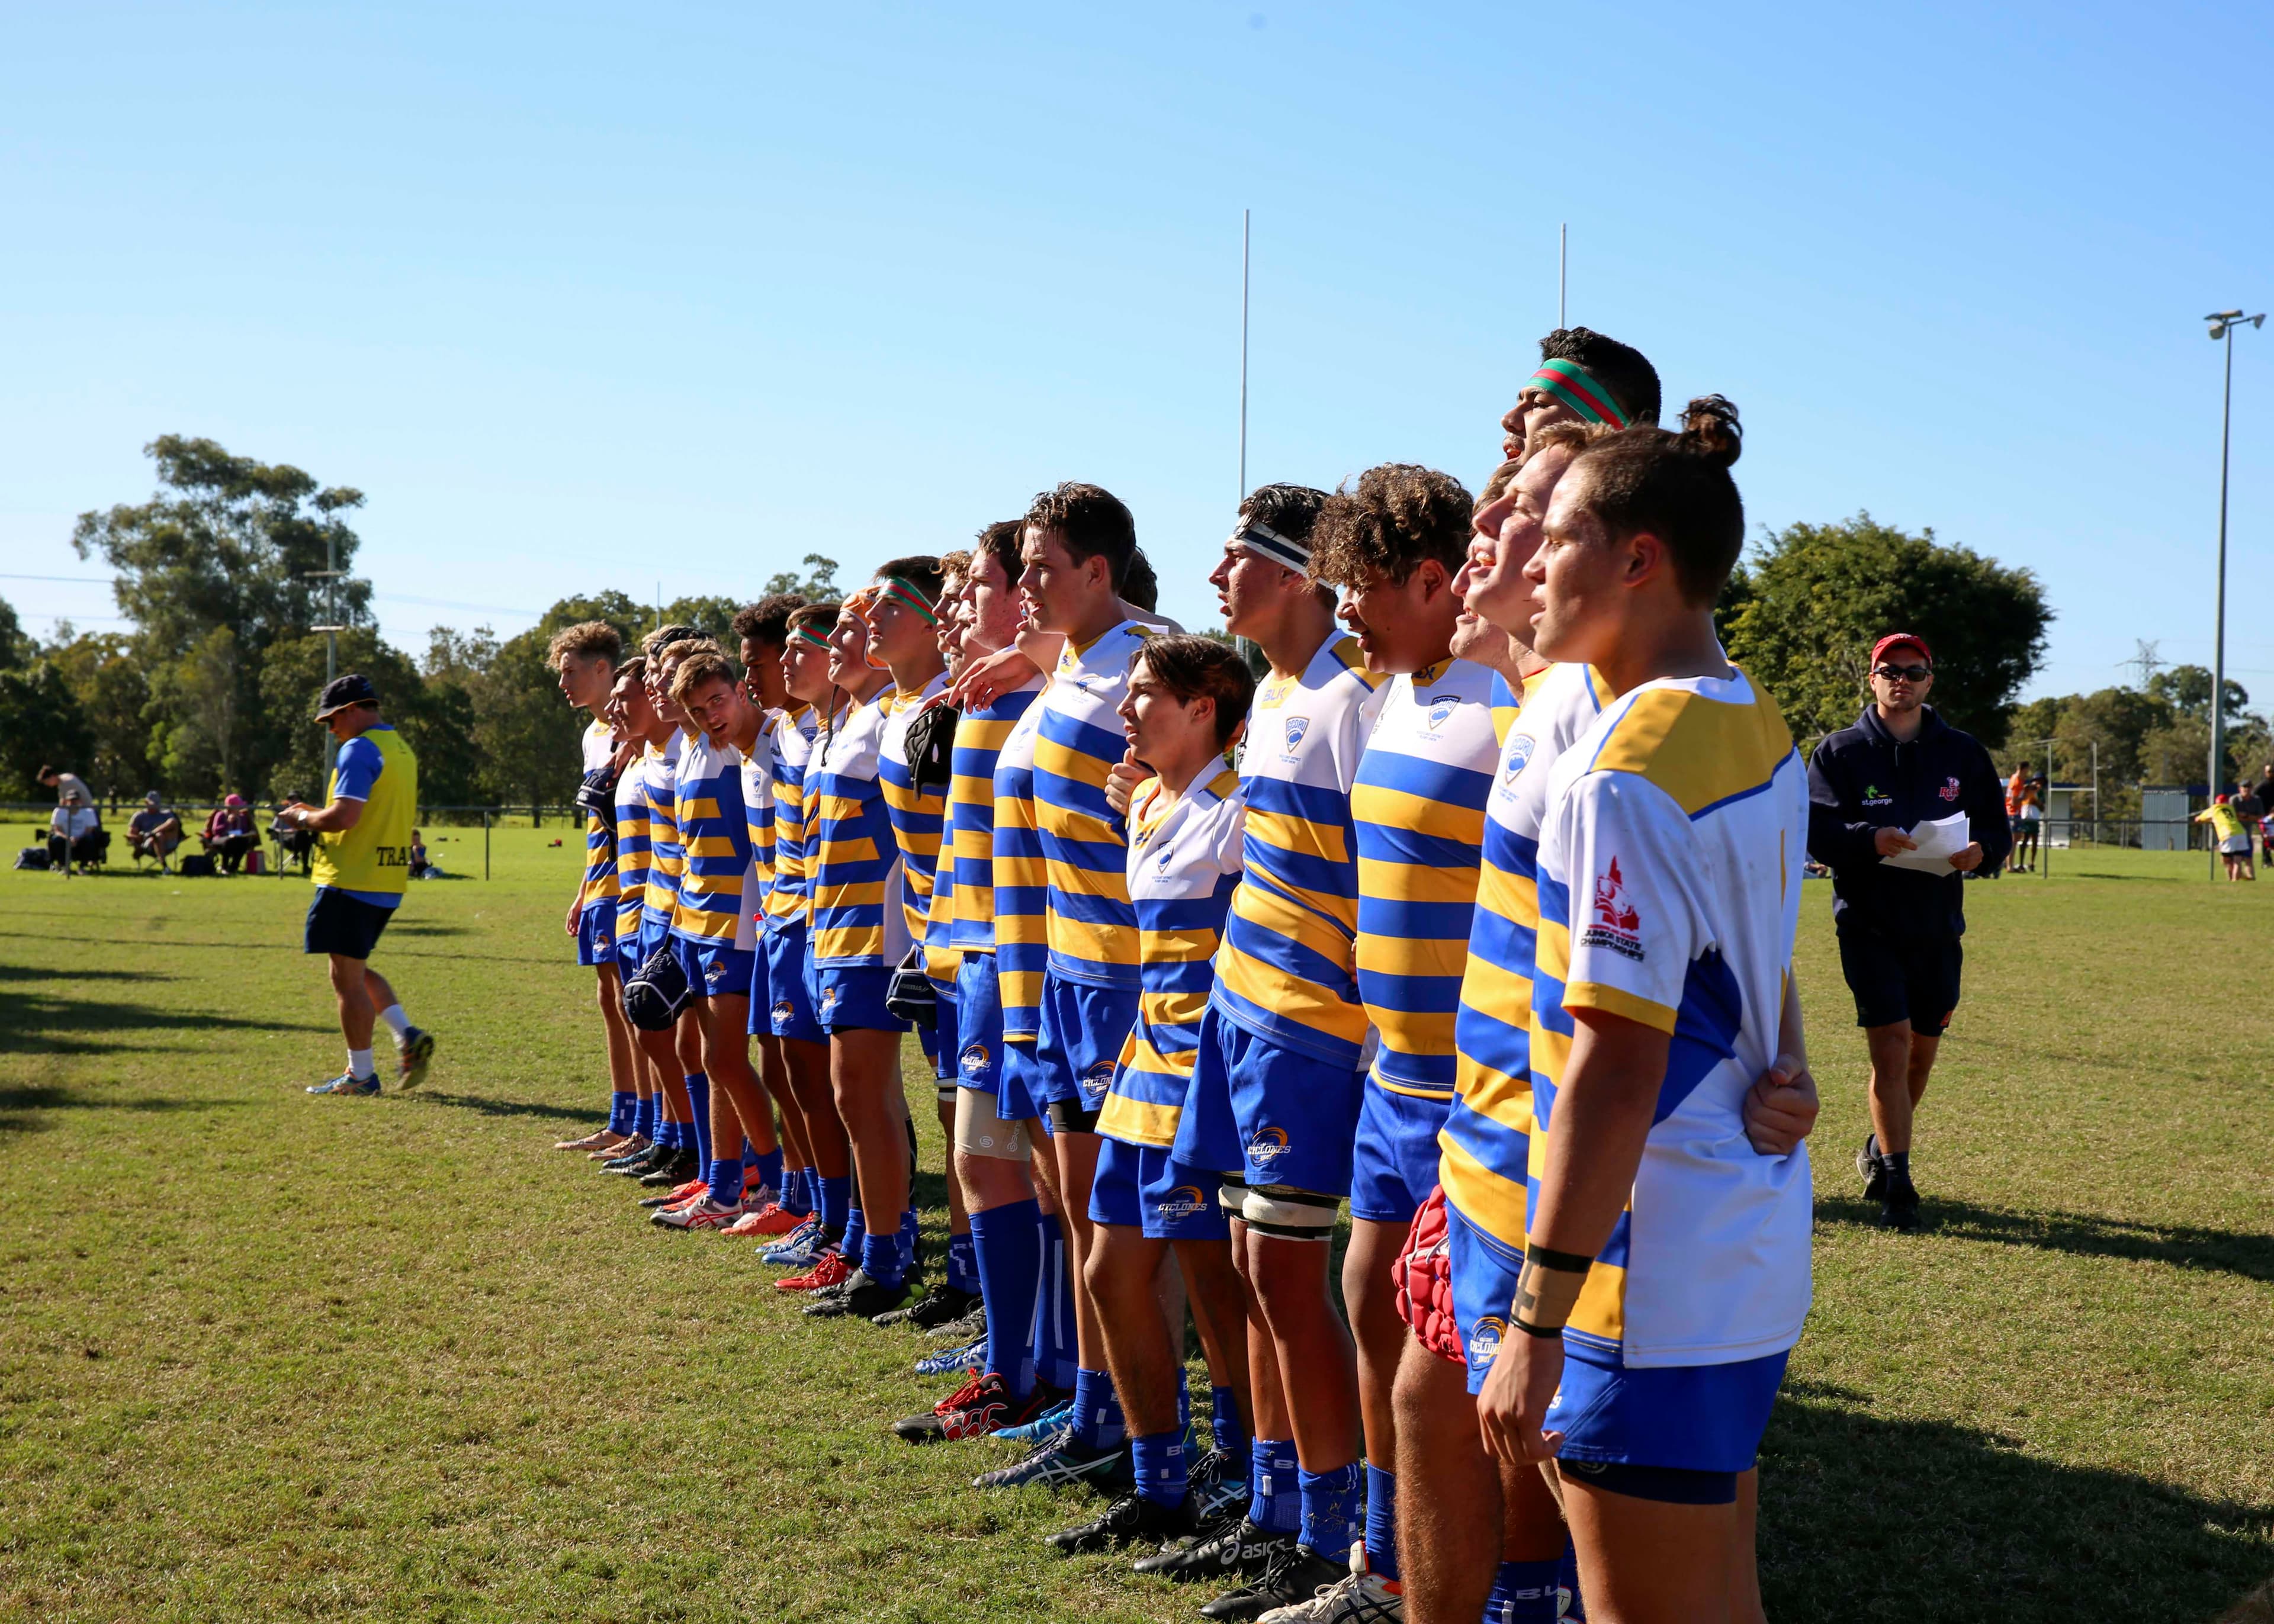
(354, 689)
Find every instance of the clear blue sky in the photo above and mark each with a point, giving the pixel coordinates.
(586, 299)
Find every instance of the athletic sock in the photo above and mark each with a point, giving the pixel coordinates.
(908, 1240)
(1053, 1327)
(726, 1182)
(1330, 1508)
(1898, 1163)
(1522, 1593)
(1183, 1405)
(855, 1238)
(698, 1094)
(880, 1258)
(1228, 1430)
(397, 1022)
(1159, 1462)
(834, 1196)
(621, 1105)
(1007, 1246)
(1567, 1575)
(1381, 1521)
(644, 1123)
(768, 1166)
(962, 1263)
(360, 1065)
(795, 1199)
(1273, 1503)
(1096, 1410)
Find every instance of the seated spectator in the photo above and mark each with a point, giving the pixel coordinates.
(228, 833)
(75, 836)
(71, 789)
(420, 869)
(155, 832)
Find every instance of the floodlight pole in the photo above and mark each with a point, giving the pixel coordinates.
(2223, 324)
(1244, 219)
(1562, 262)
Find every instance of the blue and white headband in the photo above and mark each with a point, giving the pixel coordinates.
(1266, 543)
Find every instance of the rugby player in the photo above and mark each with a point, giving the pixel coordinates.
(1583, 377)
(628, 715)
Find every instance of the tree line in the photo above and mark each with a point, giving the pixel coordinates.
(220, 577)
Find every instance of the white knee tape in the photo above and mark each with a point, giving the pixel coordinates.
(1296, 1212)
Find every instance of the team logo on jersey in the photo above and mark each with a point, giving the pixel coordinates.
(1949, 791)
(1296, 726)
(1484, 1342)
(1097, 1080)
(1519, 757)
(1441, 710)
(974, 1060)
(1617, 926)
(1268, 1145)
(1184, 1201)
(785, 1014)
(714, 973)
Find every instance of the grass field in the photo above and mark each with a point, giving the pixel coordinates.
(266, 1357)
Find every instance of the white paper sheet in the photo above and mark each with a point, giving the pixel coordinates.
(1938, 843)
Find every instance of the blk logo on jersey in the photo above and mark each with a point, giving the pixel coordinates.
(1484, 1342)
(1441, 710)
(1268, 1145)
(1617, 925)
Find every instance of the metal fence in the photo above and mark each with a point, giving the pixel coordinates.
(279, 859)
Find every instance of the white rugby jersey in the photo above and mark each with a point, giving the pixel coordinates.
(1669, 893)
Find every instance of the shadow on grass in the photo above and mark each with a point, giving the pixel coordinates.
(482, 1107)
(1869, 1519)
(40, 1023)
(75, 973)
(21, 1108)
(2180, 1244)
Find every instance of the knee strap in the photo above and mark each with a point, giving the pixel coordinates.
(1293, 1214)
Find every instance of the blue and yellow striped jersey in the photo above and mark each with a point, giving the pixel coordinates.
(1288, 970)
(1670, 863)
(1022, 883)
(787, 903)
(1183, 865)
(714, 837)
(852, 862)
(979, 738)
(758, 808)
(599, 883)
(633, 859)
(918, 819)
(1485, 1145)
(1093, 929)
(1419, 808)
(659, 776)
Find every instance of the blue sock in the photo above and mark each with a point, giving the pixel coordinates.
(856, 1235)
(698, 1090)
(1096, 1410)
(1522, 1593)
(1006, 1245)
(1053, 1328)
(1381, 1521)
(880, 1258)
(621, 1104)
(1330, 1508)
(643, 1116)
(962, 1263)
(727, 1181)
(768, 1165)
(1567, 1574)
(1183, 1406)
(1229, 1430)
(666, 1132)
(1274, 1505)
(833, 1198)
(794, 1199)
(908, 1240)
(1159, 1460)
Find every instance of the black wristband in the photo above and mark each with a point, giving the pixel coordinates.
(1543, 1332)
(1562, 1262)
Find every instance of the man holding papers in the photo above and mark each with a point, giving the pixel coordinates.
(1901, 807)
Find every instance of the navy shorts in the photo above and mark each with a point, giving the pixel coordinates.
(345, 925)
(1276, 1116)
(1083, 1029)
(789, 997)
(1906, 979)
(1145, 1188)
(853, 996)
(1394, 1167)
(596, 932)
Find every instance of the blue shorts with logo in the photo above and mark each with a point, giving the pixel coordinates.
(1276, 1116)
(946, 1038)
(849, 996)
(686, 950)
(1014, 1092)
(596, 932)
(1145, 1188)
(653, 935)
(721, 969)
(1394, 1167)
(1083, 1029)
(977, 1061)
(789, 997)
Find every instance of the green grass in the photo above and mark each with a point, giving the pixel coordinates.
(264, 1357)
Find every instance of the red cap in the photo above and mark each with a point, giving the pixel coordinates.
(1897, 640)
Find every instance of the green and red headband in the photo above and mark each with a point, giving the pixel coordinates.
(812, 636)
(1577, 387)
(909, 596)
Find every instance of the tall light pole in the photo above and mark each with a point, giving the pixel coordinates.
(2223, 323)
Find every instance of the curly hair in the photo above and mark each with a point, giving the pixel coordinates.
(1675, 487)
(767, 620)
(1621, 368)
(1387, 521)
(587, 640)
(1290, 510)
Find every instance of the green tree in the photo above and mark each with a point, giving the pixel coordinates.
(817, 585)
(2187, 689)
(1801, 615)
(292, 682)
(42, 724)
(113, 689)
(17, 648)
(231, 543)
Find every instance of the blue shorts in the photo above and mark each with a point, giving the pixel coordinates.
(978, 1007)
(853, 995)
(721, 969)
(1143, 1187)
(628, 944)
(596, 932)
(342, 924)
(652, 935)
(1394, 1165)
(688, 951)
(1014, 1092)
(947, 1039)
(1083, 1029)
(789, 995)
(1279, 1118)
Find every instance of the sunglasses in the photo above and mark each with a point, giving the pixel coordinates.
(1903, 674)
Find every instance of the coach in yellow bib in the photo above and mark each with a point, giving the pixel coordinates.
(361, 866)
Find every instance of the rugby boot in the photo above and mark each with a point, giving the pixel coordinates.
(800, 1248)
(1359, 1596)
(862, 1299)
(830, 1270)
(971, 1356)
(634, 1145)
(1127, 1520)
(1873, 1170)
(1049, 1421)
(702, 1212)
(935, 1308)
(412, 1056)
(1058, 1461)
(1234, 1549)
(346, 1082)
(671, 1170)
(1215, 1490)
(1899, 1208)
(1296, 1573)
(603, 1139)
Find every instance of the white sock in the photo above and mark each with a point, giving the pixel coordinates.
(359, 1066)
(397, 1022)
